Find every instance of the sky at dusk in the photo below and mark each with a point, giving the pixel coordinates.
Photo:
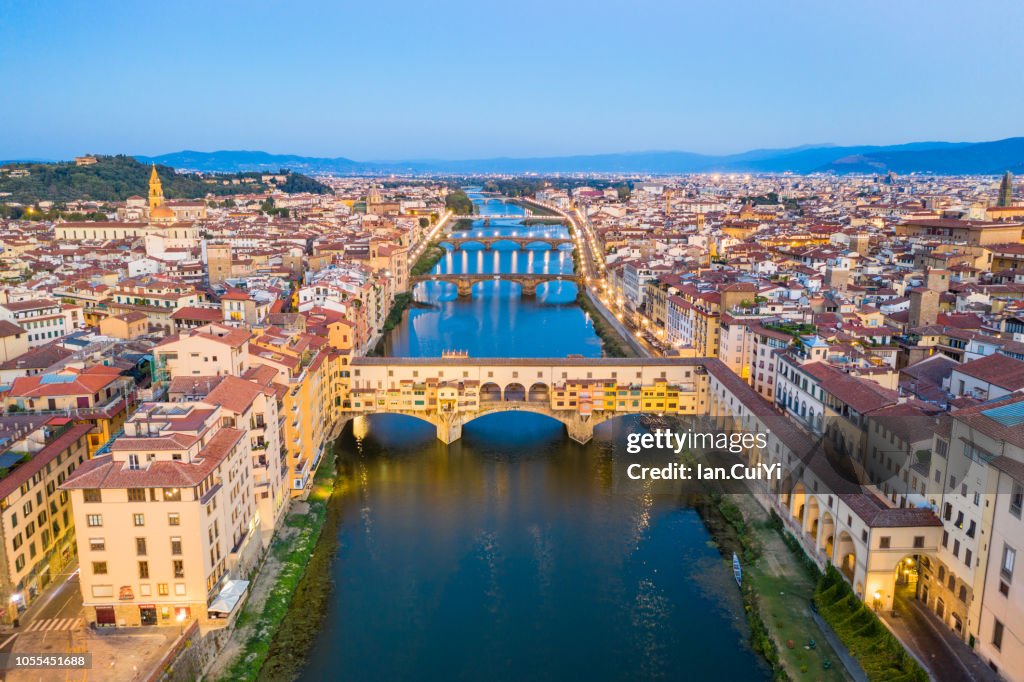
(416, 80)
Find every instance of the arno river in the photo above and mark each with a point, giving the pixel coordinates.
(507, 555)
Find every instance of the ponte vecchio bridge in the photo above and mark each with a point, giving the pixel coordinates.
(465, 282)
(488, 242)
(452, 391)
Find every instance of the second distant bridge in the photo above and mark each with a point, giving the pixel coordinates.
(522, 242)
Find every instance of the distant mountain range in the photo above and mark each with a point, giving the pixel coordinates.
(944, 158)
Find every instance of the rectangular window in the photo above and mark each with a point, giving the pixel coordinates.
(99, 568)
(139, 519)
(884, 542)
(144, 570)
(136, 494)
(94, 520)
(162, 589)
(92, 495)
(176, 546)
(97, 544)
(1017, 499)
(179, 568)
(1009, 558)
(172, 494)
(140, 546)
(174, 519)
(997, 635)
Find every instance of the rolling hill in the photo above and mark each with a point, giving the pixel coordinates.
(953, 158)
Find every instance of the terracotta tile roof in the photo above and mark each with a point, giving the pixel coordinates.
(195, 313)
(234, 394)
(997, 369)
(88, 382)
(9, 329)
(105, 473)
(41, 458)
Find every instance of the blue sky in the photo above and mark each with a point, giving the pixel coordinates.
(396, 79)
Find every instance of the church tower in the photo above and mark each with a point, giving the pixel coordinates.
(1006, 190)
(156, 191)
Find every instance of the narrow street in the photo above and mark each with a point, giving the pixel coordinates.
(944, 655)
(52, 622)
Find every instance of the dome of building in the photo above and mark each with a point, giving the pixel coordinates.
(161, 213)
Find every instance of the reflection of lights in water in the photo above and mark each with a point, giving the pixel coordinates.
(360, 427)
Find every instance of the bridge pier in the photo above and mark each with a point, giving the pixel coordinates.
(448, 433)
(580, 428)
(529, 288)
(449, 428)
(465, 288)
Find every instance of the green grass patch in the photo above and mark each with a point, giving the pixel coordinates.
(611, 341)
(296, 554)
(427, 260)
(394, 317)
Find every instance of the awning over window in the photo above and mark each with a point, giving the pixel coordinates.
(228, 599)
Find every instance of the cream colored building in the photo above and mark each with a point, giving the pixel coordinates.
(168, 518)
(43, 319)
(973, 452)
(210, 350)
(1000, 638)
(255, 409)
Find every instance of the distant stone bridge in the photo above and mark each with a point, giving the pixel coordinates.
(487, 242)
(510, 216)
(465, 282)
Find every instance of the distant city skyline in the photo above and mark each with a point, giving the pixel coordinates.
(469, 80)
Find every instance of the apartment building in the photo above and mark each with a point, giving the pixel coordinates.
(37, 533)
(42, 319)
(168, 518)
(209, 350)
(1000, 638)
(254, 408)
(973, 448)
(99, 395)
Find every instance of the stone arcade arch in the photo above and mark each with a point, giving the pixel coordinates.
(798, 502)
(827, 533)
(845, 557)
(539, 393)
(491, 393)
(812, 518)
(515, 391)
